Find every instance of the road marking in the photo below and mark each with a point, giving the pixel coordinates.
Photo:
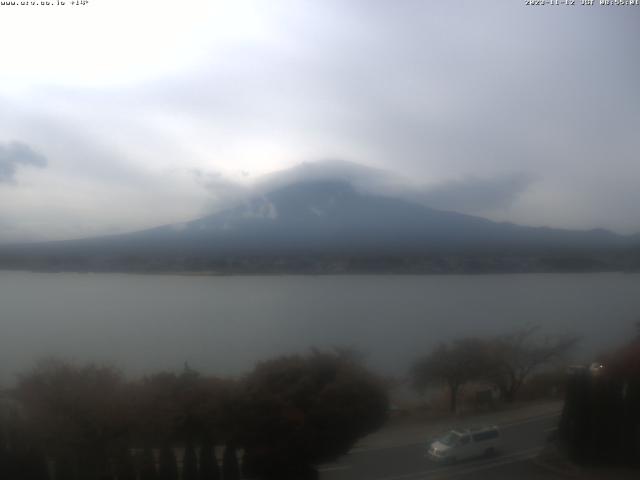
(444, 473)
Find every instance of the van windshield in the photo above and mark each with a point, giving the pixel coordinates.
(450, 439)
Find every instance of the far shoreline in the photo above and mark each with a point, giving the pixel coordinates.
(187, 273)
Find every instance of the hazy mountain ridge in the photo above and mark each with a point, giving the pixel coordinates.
(328, 226)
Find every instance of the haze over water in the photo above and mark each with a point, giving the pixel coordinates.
(223, 325)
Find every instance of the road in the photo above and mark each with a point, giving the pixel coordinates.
(522, 440)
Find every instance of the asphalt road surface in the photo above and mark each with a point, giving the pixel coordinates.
(521, 442)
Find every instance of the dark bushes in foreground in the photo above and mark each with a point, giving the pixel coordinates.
(300, 411)
(90, 423)
(600, 422)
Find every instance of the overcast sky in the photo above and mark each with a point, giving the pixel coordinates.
(124, 114)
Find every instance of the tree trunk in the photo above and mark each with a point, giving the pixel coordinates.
(168, 466)
(209, 469)
(147, 465)
(230, 467)
(125, 469)
(453, 399)
(508, 394)
(189, 463)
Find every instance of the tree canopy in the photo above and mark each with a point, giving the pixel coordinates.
(287, 415)
(298, 411)
(76, 411)
(515, 356)
(452, 364)
(506, 361)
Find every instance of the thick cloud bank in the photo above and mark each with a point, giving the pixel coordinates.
(14, 155)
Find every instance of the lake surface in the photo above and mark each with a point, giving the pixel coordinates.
(223, 325)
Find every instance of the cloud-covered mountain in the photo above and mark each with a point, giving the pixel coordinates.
(316, 221)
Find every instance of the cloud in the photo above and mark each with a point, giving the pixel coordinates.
(489, 196)
(222, 191)
(469, 194)
(360, 176)
(17, 154)
(473, 194)
(455, 99)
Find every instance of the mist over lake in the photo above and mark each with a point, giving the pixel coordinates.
(223, 325)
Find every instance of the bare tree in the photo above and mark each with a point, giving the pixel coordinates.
(514, 357)
(452, 364)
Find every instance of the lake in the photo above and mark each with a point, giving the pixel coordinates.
(223, 325)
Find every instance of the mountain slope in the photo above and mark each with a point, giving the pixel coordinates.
(319, 219)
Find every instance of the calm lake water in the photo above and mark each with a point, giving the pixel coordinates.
(223, 325)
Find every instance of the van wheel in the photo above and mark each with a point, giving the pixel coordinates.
(489, 452)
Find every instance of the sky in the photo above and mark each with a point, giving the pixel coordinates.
(118, 115)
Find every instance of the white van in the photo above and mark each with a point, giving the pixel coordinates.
(460, 444)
